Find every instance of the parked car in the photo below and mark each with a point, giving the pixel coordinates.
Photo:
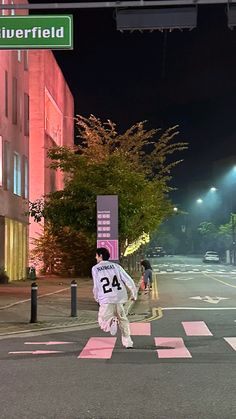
(211, 257)
(157, 252)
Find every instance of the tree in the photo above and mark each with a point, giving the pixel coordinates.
(133, 165)
(216, 237)
(61, 252)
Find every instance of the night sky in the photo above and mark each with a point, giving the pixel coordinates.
(186, 78)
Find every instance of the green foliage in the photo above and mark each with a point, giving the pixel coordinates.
(63, 252)
(4, 278)
(208, 229)
(216, 237)
(134, 165)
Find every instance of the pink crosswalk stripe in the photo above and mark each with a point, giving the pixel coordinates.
(98, 348)
(196, 329)
(178, 348)
(140, 329)
(231, 342)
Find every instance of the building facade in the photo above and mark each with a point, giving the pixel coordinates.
(14, 161)
(36, 112)
(51, 124)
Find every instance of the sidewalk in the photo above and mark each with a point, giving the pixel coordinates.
(53, 305)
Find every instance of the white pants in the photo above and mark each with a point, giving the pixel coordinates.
(107, 312)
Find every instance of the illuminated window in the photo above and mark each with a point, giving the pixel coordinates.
(25, 177)
(7, 166)
(6, 93)
(14, 100)
(1, 162)
(26, 114)
(17, 174)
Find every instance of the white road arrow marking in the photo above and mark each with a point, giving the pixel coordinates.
(48, 343)
(36, 352)
(208, 299)
(196, 298)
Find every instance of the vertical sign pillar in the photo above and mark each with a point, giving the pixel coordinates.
(107, 224)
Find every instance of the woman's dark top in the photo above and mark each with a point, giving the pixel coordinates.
(146, 264)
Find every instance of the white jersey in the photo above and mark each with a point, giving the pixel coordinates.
(109, 280)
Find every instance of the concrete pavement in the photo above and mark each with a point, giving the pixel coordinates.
(53, 305)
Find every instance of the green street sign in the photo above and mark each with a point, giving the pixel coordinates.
(36, 32)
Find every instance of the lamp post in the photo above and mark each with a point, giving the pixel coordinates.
(233, 239)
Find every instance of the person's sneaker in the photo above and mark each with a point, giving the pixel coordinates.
(113, 326)
(127, 342)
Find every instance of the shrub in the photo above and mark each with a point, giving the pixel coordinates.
(4, 278)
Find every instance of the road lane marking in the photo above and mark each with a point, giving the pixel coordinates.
(196, 328)
(155, 295)
(140, 329)
(178, 348)
(198, 308)
(156, 314)
(98, 348)
(219, 280)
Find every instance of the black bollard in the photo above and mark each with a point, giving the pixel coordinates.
(73, 298)
(34, 292)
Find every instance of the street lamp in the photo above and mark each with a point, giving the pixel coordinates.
(199, 201)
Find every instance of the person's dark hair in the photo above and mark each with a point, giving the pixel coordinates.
(102, 251)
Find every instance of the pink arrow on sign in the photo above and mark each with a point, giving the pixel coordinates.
(48, 343)
(112, 246)
(36, 352)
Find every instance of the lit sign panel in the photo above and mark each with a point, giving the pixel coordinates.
(107, 224)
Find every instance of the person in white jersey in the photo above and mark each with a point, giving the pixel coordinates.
(109, 290)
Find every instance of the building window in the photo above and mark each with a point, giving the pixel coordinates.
(17, 174)
(7, 166)
(1, 161)
(19, 55)
(26, 60)
(25, 177)
(20, 113)
(4, 11)
(26, 114)
(14, 100)
(13, 12)
(6, 93)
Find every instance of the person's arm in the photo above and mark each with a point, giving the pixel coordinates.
(129, 282)
(95, 290)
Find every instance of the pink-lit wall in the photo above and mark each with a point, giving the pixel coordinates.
(51, 123)
(11, 205)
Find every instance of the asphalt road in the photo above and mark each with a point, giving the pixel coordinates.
(183, 364)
